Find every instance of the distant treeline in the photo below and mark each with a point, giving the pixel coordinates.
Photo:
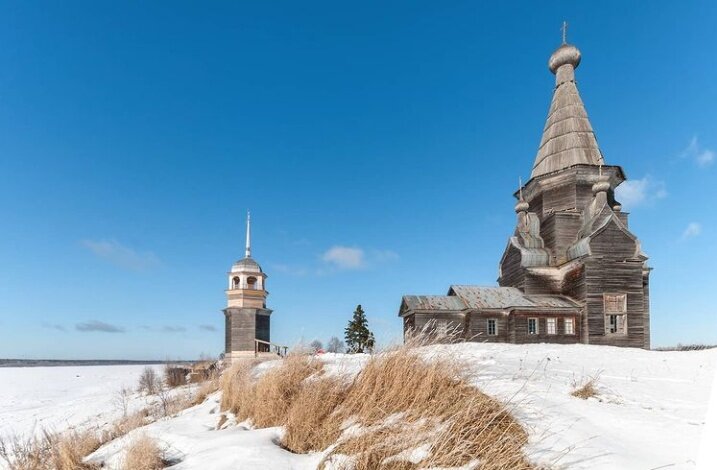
(89, 362)
(687, 347)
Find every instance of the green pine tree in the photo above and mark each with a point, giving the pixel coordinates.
(359, 338)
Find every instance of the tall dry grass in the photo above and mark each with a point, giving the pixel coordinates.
(143, 454)
(399, 402)
(50, 451)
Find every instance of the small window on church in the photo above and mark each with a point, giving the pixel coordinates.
(251, 282)
(235, 282)
(615, 303)
(569, 326)
(492, 327)
(552, 326)
(442, 327)
(617, 324)
(532, 326)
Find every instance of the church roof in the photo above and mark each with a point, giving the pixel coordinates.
(433, 302)
(568, 138)
(478, 297)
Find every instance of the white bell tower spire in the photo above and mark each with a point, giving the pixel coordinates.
(247, 253)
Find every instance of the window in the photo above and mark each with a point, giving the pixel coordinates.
(235, 282)
(615, 313)
(492, 327)
(551, 326)
(442, 327)
(615, 303)
(616, 324)
(532, 326)
(251, 282)
(569, 326)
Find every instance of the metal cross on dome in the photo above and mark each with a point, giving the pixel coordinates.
(564, 28)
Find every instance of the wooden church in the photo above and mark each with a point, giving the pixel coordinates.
(572, 272)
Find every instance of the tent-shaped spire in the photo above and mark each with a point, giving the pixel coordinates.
(568, 138)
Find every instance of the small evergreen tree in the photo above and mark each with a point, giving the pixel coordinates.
(335, 345)
(359, 338)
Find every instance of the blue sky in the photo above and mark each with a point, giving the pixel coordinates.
(377, 145)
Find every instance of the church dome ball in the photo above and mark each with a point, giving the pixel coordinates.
(565, 54)
(522, 206)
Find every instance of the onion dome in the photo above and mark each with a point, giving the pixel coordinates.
(602, 185)
(565, 54)
(521, 206)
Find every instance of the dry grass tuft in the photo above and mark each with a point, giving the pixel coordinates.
(587, 390)
(205, 389)
(311, 421)
(265, 401)
(50, 451)
(143, 454)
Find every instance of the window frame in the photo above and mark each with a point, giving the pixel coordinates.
(537, 326)
(495, 326)
(619, 317)
(614, 303)
(569, 321)
(554, 321)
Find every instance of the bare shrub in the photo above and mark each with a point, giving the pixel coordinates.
(175, 376)
(149, 382)
(143, 454)
(122, 400)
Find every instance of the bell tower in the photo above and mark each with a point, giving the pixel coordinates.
(246, 317)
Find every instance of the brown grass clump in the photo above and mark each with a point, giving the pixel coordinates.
(587, 390)
(207, 388)
(311, 421)
(50, 451)
(275, 391)
(236, 386)
(404, 402)
(143, 454)
(265, 401)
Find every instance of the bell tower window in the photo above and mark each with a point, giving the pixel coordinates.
(251, 282)
(236, 281)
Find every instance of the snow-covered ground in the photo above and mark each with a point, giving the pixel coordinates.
(650, 412)
(57, 398)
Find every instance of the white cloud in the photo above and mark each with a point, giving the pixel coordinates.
(120, 255)
(702, 156)
(692, 230)
(634, 193)
(345, 257)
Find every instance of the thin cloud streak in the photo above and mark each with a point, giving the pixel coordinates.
(98, 326)
(121, 256)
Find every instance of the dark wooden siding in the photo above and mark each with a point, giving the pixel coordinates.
(243, 328)
(455, 321)
(512, 273)
(263, 327)
(559, 231)
(478, 327)
(613, 276)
